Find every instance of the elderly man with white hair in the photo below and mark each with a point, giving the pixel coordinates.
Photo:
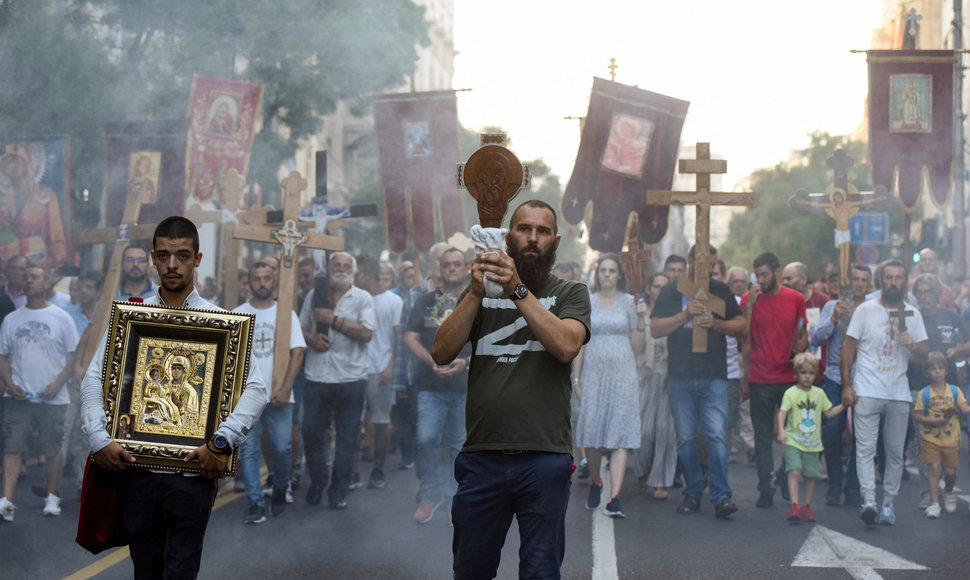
(336, 377)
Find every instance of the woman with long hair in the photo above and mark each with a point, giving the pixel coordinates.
(609, 418)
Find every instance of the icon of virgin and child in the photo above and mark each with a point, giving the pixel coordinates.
(170, 397)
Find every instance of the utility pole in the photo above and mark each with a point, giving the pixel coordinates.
(959, 201)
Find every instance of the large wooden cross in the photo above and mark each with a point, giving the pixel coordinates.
(703, 198)
(840, 201)
(291, 237)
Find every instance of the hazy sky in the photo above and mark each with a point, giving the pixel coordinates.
(760, 74)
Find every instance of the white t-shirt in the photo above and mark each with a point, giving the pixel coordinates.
(264, 340)
(881, 363)
(39, 343)
(388, 307)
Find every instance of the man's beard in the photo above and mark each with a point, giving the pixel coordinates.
(262, 293)
(341, 281)
(533, 270)
(770, 287)
(892, 295)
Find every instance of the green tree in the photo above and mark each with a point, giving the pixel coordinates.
(773, 226)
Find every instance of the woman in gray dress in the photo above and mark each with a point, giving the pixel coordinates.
(609, 417)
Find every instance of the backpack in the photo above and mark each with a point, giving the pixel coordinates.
(925, 393)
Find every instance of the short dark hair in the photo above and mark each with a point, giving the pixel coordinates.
(259, 264)
(767, 259)
(368, 264)
(710, 248)
(675, 259)
(307, 261)
(92, 276)
(176, 227)
(538, 204)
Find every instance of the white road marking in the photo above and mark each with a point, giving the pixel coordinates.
(827, 548)
(604, 542)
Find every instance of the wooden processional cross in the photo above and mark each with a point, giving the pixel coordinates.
(900, 314)
(634, 261)
(699, 289)
(840, 201)
(291, 237)
(493, 176)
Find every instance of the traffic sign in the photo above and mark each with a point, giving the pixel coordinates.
(867, 254)
(869, 227)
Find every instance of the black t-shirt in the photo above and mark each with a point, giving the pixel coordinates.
(426, 316)
(944, 330)
(682, 363)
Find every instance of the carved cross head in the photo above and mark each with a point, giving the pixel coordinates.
(493, 176)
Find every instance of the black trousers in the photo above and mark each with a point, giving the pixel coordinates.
(341, 404)
(165, 516)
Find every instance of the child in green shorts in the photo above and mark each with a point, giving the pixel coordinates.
(936, 407)
(800, 431)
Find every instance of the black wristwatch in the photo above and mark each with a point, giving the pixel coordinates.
(219, 444)
(520, 292)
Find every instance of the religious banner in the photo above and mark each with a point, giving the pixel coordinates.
(35, 199)
(417, 136)
(147, 157)
(629, 145)
(226, 115)
(911, 123)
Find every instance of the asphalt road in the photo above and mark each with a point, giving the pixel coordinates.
(376, 538)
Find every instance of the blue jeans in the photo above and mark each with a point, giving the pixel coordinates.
(279, 427)
(832, 430)
(441, 420)
(494, 486)
(704, 401)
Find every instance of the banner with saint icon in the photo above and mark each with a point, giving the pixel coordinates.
(417, 136)
(629, 145)
(225, 117)
(35, 199)
(147, 156)
(911, 123)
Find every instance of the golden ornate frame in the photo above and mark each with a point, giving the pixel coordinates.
(167, 419)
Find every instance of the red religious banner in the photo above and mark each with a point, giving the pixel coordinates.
(417, 136)
(911, 123)
(148, 156)
(35, 199)
(629, 145)
(225, 116)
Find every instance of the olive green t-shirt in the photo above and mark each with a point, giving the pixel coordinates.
(518, 394)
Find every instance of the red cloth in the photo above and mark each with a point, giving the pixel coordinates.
(99, 522)
(629, 145)
(417, 142)
(911, 125)
(774, 322)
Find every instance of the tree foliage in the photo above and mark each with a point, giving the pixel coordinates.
(773, 226)
(73, 65)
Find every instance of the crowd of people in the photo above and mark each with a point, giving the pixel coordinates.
(394, 359)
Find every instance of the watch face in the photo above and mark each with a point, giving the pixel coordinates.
(521, 291)
(220, 442)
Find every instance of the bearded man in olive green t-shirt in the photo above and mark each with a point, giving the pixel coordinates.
(517, 456)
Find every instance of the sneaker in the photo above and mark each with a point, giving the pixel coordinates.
(405, 465)
(339, 504)
(950, 502)
(314, 494)
(868, 513)
(795, 515)
(690, 506)
(6, 509)
(593, 501)
(426, 510)
(255, 514)
(807, 515)
(766, 499)
(376, 480)
(583, 471)
(277, 504)
(724, 508)
(924, 499)
(52, 505)
(887, 517)
(933, 510)
(613, 509)
(355, 482)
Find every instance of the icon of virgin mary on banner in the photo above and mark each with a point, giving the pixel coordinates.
(35, 200)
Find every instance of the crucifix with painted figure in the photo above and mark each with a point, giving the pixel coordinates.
(703, 198)
(291, 237)
(840, 201)
(635, 262)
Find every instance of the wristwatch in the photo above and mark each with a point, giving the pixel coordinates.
(520, 292)
(220, 444)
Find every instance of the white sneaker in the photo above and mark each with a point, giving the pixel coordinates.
(268, 492)
(933, 510)
(950, 502)
(6, 509)
(52, 505)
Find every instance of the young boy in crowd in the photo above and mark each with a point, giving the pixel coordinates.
(802, 435)
(936, 409)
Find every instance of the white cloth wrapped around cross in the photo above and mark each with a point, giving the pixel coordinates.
(489, 239)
